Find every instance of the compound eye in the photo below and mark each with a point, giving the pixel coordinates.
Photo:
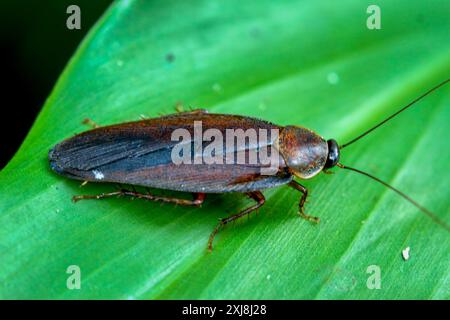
(333, 154)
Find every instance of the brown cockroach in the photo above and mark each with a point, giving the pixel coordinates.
(141, 153)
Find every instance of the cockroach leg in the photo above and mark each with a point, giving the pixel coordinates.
(180, 110)
(327, 171)
(304, 191)
(197, 201)
(255, 195)
(91, 123)
(179, 107)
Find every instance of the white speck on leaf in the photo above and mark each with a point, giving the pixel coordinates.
(98, 175)
(333, 78)
(405, 253)
(119, 63)
(217, 88)
(268, 277)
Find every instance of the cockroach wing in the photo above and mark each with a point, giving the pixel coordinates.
(141, 153)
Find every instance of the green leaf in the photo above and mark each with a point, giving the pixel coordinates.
(291, 62)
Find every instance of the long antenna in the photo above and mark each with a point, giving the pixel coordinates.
(424, 210)
(393, 115)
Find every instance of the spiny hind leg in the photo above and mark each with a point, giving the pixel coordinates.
(255, 195)
(196, 201)
(301, 205)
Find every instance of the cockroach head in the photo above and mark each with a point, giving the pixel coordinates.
(333, 154)
(304, 151)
